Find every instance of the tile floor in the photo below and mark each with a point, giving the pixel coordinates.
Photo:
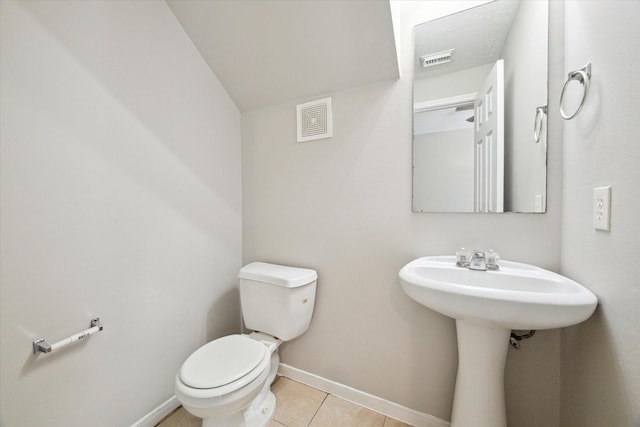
(299, 405)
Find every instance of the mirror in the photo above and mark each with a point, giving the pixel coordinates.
(479, 102)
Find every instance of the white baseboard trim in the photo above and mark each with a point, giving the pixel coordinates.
(156, 415)
(366, 400)
(382, 406)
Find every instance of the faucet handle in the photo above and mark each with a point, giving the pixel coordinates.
(463, 257)
(493, 260)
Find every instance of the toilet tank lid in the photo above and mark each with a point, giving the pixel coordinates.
(281, 275)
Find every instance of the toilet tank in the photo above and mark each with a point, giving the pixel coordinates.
(276, 299)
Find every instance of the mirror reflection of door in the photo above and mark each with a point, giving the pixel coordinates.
(471, 138)
(489, 142)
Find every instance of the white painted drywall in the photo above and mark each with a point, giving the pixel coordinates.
(451, 84)
(266, 52)
(443, 186)
(525, 50)
(120, 198)
(601, 357)
(343, 207)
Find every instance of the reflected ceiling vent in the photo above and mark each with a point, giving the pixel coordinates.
(437, 58)
(314, 120)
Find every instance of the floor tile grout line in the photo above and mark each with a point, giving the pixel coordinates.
(324, 399)
(319, 407)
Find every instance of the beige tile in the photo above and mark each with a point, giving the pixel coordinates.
(390, 422)
(299, 405)
(336, 412)
(296, 403)
(180, 418)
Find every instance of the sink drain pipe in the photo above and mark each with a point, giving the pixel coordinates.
(515, 339)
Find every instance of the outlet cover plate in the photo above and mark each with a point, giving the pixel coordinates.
(602, 208)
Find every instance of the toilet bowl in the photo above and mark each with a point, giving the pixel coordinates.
(227, 382)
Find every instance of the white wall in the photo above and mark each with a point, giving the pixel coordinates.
(451, 84)
(601, 357)
(120, 198)
(440, 186)
(343, 207)
(525, 50)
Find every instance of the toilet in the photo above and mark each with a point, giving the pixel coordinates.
(227, 382)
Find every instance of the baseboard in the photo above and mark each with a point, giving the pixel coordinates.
(382, 406)
(366, 400)
(156, 415)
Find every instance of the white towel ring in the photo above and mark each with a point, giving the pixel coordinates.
(582, 75)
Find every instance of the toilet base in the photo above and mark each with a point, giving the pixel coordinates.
(258, 414)
(261, 409)
(262, 414)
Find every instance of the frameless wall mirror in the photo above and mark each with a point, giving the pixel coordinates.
(479, 110)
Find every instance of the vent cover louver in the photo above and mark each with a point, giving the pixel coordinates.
(437, 58)
(314, 120)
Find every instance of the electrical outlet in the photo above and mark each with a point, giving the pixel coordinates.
(602, 208)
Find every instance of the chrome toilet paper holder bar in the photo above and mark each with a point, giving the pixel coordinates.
(42, 346)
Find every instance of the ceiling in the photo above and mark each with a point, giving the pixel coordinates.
(477, 34)
(265, 52)
(442, 120)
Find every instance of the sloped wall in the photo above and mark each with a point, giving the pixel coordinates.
(120, 198)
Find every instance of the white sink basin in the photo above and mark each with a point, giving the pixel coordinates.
(518, 296)
(487, 305)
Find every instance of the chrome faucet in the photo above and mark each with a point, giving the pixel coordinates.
(478, 261)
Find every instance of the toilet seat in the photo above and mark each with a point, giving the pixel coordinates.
(224, 365)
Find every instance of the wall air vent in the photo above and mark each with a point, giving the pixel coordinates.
(437, 58)
(314, 120)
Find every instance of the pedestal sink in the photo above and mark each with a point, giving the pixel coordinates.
(487, 305)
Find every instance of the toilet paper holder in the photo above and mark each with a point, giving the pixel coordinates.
(42, 346)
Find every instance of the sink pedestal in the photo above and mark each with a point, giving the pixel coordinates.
(479, 394)
(487, 305)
